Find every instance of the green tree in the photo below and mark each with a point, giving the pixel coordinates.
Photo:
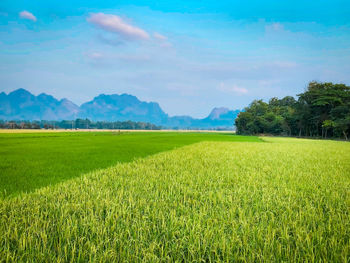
(323, 109)
(327, 124)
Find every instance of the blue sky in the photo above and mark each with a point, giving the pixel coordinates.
(189, 56)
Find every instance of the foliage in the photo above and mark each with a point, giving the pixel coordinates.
(322, 110)
(213, 201)
(78, 124)
(29, 161)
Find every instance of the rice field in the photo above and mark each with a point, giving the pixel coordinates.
(32, 160)
(282, 200)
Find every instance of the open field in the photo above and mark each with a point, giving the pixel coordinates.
(32, 160)
(280, 200)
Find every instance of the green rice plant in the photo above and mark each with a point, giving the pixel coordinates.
(283, 200)
(32, 160)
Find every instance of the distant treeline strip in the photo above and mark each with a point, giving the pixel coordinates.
(323, 111)
(77, 124)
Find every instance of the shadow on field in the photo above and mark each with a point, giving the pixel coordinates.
(33, 160)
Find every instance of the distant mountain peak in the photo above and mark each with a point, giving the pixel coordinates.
(65, 100)
(121, 107)
(22, 105)
(47, 98)
(217, 112)
(45, 95)
(20, 92)
(126, 95)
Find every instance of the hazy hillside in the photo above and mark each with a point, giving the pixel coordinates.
(121, 108)
(22, 105)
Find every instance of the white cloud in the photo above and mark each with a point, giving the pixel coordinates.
(159, 36)
(166, 45)
(274, 27)
(162, 40)
(95, 55)
(27, 15)
(232, 89)
(110, 60)
(133, 58)
(115, 24)
(239, 90)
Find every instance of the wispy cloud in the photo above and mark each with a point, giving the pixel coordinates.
(274, 27)
(116, 24)
(159, 36)
(27, 15)
(162, 40)
(232, 89)
(111, 60)
(95, 55)
(239, 90)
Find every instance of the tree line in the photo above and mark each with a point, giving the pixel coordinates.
(323, 111)
(77, 124)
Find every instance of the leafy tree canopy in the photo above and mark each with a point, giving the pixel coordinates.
(322, 110)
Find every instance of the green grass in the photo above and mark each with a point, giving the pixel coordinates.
(286, 200)
(31, 161)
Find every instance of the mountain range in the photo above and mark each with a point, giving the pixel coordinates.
(22, 105)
